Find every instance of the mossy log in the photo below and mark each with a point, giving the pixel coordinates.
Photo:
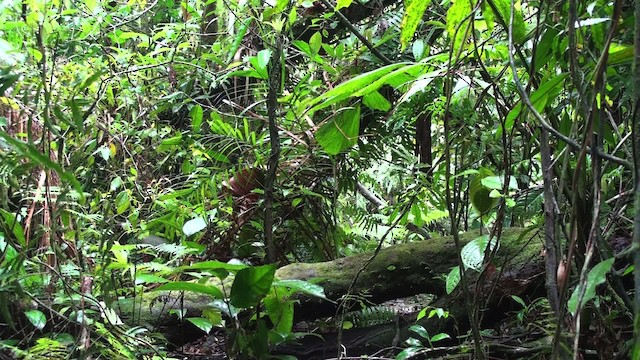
(397, 271)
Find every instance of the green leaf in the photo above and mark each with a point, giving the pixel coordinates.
(472, 253)
(315, 43)
(409, 352)
(193, 226)
(479, 194)
(414, 9)
(343, 4)
(170, 143)
(263, 58)
(36, 318)
(202, 324)
(420, 330)
(458, 23)
(191, 287)
(123, 202)
(349, 87)
(16, 227)
(374, 100)
(497, 182)
(149, 278)
(597, 276)
(214, 265)
(418, 49)
(281, 313)
(32, 153)
(440, 336)
(301, 286)
(115, 183)
(251, 284)
(453, 278)
(546, 93)
(519, 28)
(519, 300)
(196, 118)
(341, 133)
(214, 315)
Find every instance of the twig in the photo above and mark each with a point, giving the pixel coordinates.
(343, 19)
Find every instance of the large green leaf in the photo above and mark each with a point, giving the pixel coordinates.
(302, 286)
(349, 87)
(192, 287)
(202, 324)
(280, 312)
(479, 194)
(597, 276)
(413, 11)
(340, 133)
(472, 253)
(458, 22)
(14, 225)
(251, 284)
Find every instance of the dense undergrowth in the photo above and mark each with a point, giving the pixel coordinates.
(174, 145)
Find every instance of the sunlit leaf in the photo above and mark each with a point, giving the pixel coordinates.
(413, 11)
(302, 286)
(193, 226)
(36, 318)
(202, 324)
(343, 4)
(374, 100)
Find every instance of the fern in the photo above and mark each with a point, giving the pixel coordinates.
(49, 349)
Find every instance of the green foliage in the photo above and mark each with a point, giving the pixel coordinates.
(124, 121)
(254, 296)
(582, 294)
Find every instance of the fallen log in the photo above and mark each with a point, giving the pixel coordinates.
(397, 271)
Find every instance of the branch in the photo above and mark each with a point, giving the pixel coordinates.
(343, 19)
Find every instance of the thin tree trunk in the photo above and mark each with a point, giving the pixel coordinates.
(275, 75)
(636, 173)
(551, 245)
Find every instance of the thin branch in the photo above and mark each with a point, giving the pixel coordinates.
(343, 19)
(525, 97)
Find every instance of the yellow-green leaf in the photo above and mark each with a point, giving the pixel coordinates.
(413, 11)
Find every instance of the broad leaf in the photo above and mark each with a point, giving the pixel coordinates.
(453, 278)
(540, 98)
(374, 100)
(479, 194)
(202, 324)
(458, 23)
(36, 318)
(597, 276)
(341, 133)
(193, 226)
(472, 253)
(301, 286)
(192, 287)
(251, 284)
(413, 11)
